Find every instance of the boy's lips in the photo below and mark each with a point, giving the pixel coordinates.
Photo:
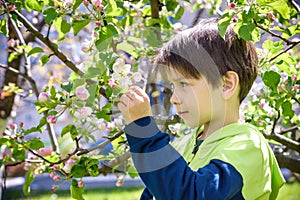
(182, 113)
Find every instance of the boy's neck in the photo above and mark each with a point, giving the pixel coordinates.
(215, 125)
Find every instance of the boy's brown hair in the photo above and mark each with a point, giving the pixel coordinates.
(201, 51)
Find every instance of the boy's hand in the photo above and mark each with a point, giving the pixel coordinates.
(134, 104)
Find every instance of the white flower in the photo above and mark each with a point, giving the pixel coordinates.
(82, 93)
(86, 111)
(101, 124)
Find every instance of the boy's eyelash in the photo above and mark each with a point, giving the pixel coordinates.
(184, 84)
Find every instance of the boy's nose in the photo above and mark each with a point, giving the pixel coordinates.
(174, 99)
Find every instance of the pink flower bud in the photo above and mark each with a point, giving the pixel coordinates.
(12, 126)
(82, 93)
(85, 48)
(56, 178)
(52, 174)
(21, 124)
(98, 23)
(70, 162)
(294, 78)
(112, 83)
(54, 188)
(80, 184)
(261, 105)
(12, 43)
(271, 16)
(86, 2)
(119, 183)
(51, 119)
(296, 87)
(55, 166)
(100, 7)
(10, 8)
(43, 97)
(232, 5)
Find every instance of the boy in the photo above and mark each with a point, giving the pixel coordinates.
(210, 76)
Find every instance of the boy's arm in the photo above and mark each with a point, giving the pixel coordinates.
(167, 175)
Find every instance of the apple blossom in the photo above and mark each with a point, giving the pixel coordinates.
(51, 119)
(86, 111)
(86, 2)
(43, 97)
(101, 124)
(12, 43)
(82, 93)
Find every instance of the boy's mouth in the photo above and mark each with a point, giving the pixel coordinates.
(182, 113)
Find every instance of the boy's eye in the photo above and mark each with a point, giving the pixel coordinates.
(183, 84)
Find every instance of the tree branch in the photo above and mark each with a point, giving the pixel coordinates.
(294, 145)
(47, 42)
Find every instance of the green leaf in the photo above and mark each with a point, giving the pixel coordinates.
(76, 192)
(3, 27)
(113, 10)
(103, 115)
(92, 72)
(29, 177)
(105, 38)
(271, 79)
(35, 144)
(78, 171)
(92, 91)
(287, 109)
(224, 23)
(35, 5)
(78, 25)
(18, 153)
(67, 86)
(49, 15)
(35, 50)
(77, 4)
(70, 129)
(245, 31)
(44, 59)
(179, 14)
(62, 27)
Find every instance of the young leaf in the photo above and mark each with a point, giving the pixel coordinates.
(35, 50)
(29, 177)
(179, 14)
(35, 144)
(224, 23)
(271, 79)
(287, 109)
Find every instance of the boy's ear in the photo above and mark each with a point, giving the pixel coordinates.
(230, 84)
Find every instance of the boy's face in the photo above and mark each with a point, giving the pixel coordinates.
(196, 101)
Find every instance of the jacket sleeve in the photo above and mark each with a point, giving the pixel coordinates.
(167, 175)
